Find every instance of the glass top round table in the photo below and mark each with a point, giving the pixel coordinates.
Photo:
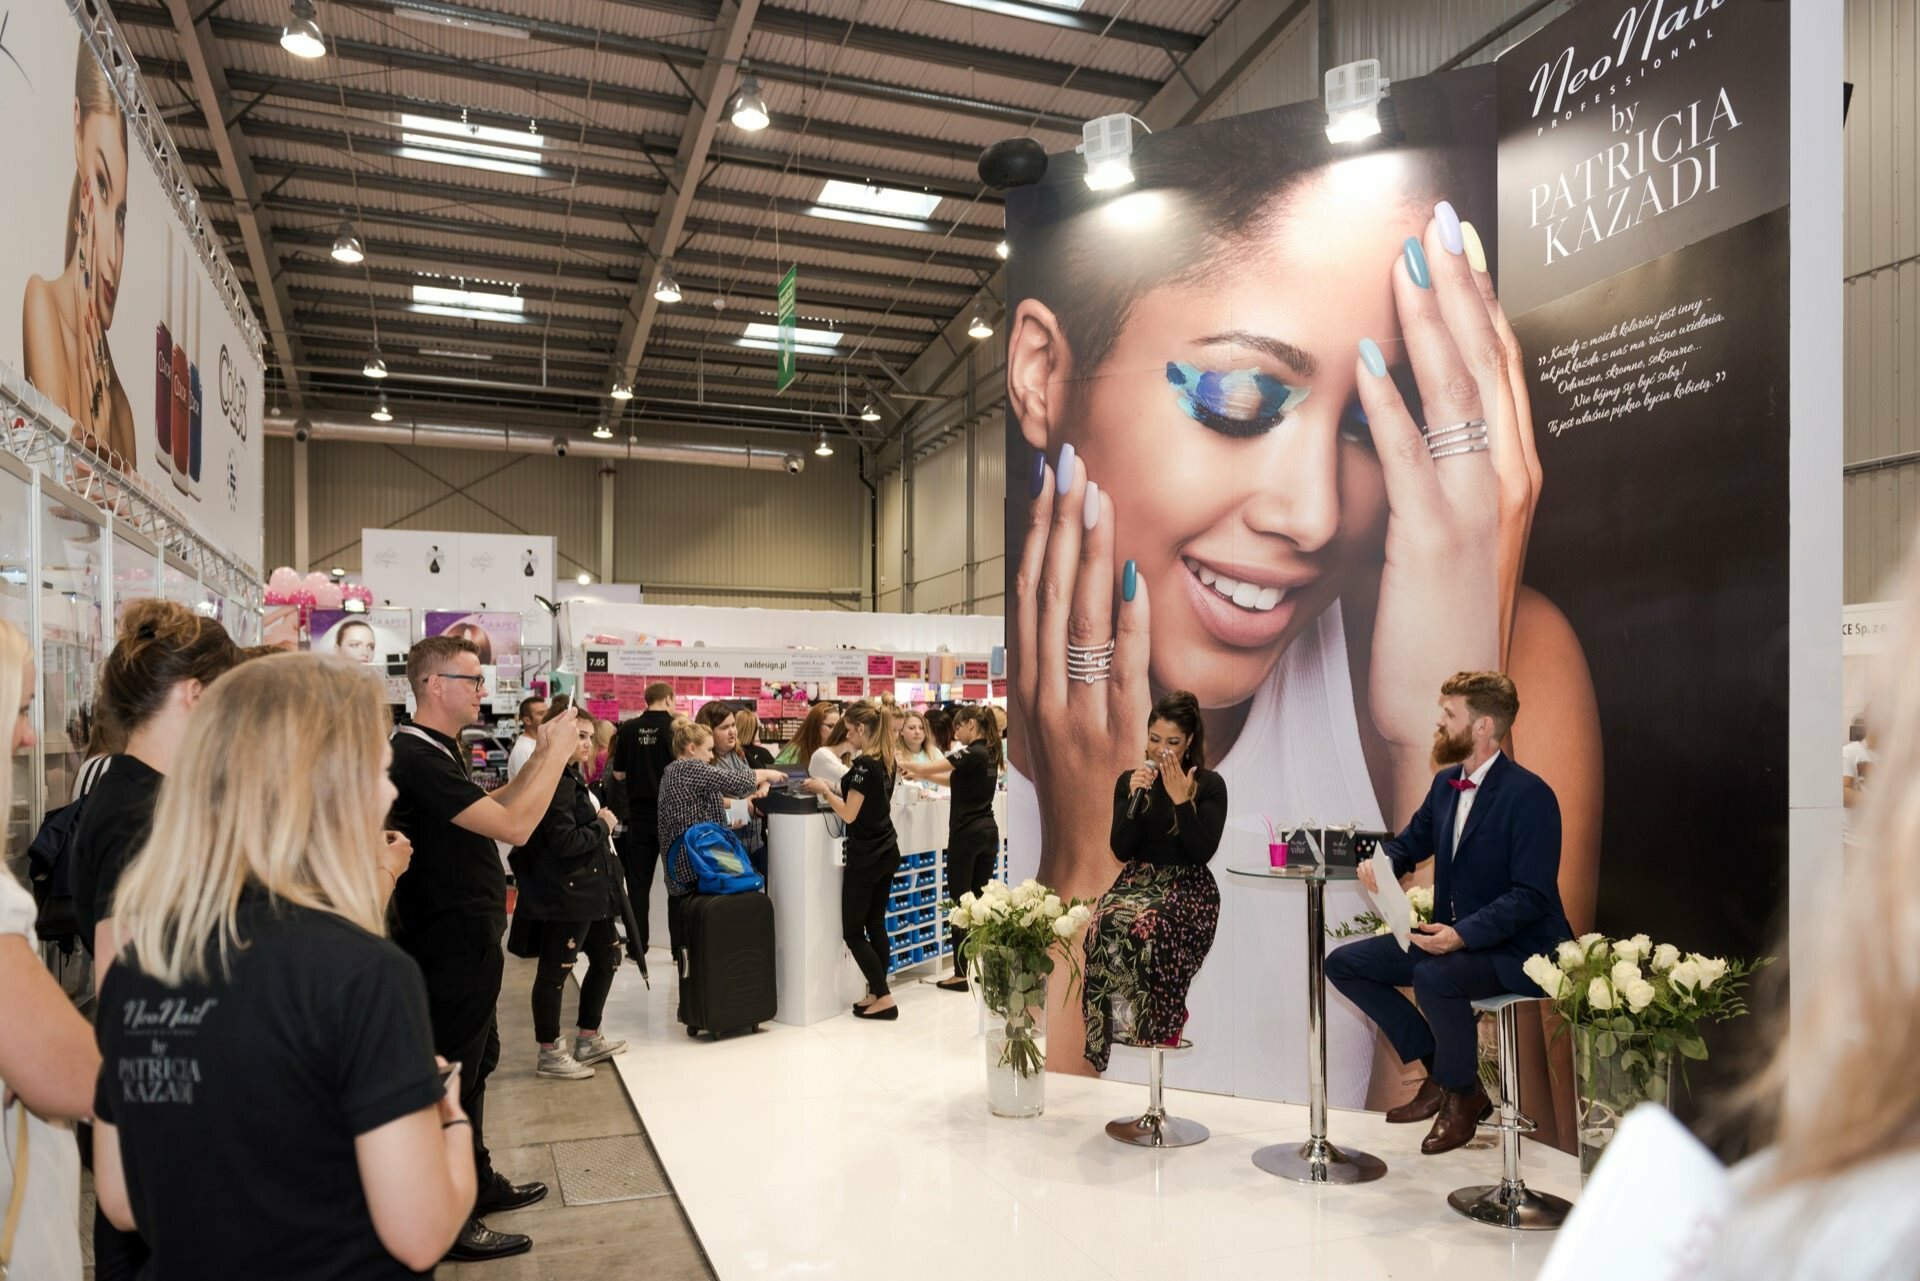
(1316, 1160)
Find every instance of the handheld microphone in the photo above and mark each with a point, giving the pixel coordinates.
(1137, 804)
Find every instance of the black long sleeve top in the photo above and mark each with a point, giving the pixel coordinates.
(1168, 835)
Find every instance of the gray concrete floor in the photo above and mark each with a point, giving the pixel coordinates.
(526, 1116)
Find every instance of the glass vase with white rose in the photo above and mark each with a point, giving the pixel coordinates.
(1013, 937)
(1635, 1008)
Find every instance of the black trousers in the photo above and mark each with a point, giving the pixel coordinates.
(561, 943)
(971, 857)
(863, 917)
(1440, 1032)
(639, 849)
(463, 991)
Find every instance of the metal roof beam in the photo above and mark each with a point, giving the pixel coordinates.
(236, 170)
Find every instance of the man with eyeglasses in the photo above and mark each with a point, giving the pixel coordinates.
(450, 905)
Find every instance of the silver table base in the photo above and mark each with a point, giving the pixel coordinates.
(1318, 1161)
(1511, 1205)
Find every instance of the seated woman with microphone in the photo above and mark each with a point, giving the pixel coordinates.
(1153, 929)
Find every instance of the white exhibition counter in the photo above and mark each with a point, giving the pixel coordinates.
(815, 976)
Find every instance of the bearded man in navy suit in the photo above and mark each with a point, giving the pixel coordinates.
(1492, 830)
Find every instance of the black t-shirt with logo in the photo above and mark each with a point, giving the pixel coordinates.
(974, 782)
(453, 895)
(115, 819)
(642, 750)
(238, 1098)
(870, 837)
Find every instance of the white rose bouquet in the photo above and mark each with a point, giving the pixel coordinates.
(1623, 988)
(1013, 935)
(1419, 897)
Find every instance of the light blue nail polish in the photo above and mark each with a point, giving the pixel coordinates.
(1063, 470)
(1370, 357)
(1417, 263)
(1129, 581)
(1447, 222)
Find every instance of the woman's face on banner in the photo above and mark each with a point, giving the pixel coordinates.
(356, 642)
(100, 152)
(1245, 524)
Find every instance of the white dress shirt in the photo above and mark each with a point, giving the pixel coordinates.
(1465, 806)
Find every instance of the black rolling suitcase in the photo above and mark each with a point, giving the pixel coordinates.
(726, 963)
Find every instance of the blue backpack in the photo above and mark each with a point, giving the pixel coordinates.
(717, 860)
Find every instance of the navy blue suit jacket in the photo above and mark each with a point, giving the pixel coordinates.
(1500, 889)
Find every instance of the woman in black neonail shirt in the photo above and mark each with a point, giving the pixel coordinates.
(973, 834)
(864, 804)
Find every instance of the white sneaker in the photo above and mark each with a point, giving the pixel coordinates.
(558, 1063)
(592, 1049)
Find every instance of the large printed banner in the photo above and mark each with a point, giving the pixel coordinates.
(1192, 346)
(104, 303)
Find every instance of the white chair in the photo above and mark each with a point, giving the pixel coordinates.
(1509, 1203)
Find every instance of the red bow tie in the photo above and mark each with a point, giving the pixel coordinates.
(1462, 784)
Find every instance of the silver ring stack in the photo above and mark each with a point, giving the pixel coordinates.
(1461, 438)
(1089, 663)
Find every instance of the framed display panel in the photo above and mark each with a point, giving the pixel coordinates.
(136, 569)
(179, 584)
(16, 607)
(72, 576)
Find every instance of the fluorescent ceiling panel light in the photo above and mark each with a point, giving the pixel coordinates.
(468, 298)
(880, 200)
(814, 337)
(462, 132)
(1049, 11)
(448, 354)
(761, 344)
(440, 156)
(469, 313)
(870, 219)
(455, 142)
(458, 24)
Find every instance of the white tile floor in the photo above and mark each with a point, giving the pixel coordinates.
(851, 1150)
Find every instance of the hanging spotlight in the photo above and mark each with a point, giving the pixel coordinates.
(868, 414)
(583, 578)
(821, 449)
(381, 414)
(339, 572)
(747, 108)
(348, 247)
(1107, 143)
(376, 366)
(979, 328)
(601, 431)
(1353, 92)
(623, 390)
(1002, 249)
(302, 37)
(668, 290)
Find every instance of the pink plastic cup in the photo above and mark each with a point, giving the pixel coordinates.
(1277, 853)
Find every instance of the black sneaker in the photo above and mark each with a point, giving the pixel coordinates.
(478, 1243)
(502, 1196)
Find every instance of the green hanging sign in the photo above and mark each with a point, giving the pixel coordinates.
(788, 365)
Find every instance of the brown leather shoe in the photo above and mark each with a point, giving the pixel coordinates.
(1460, 1115)
(1423, 1106)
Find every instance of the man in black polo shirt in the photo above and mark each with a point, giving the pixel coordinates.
(642, 750)
(450, 905)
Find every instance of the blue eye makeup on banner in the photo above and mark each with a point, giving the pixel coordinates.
(1238, 402)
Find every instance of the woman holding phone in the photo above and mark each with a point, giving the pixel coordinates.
(863, 801)
(269, 1103)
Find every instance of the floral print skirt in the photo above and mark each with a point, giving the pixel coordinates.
(1149, 935)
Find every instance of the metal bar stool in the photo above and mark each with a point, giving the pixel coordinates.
(1509, 1203)
(1154, 1128)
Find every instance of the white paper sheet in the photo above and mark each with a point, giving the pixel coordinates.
(1392, 900)
(1651, 1211)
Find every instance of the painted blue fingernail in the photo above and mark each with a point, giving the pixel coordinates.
(1370, 357)
(1417, 263)
(1129, 581)
(1063, 471)
(1037, 474)
(1090, 509)
(1447, 222)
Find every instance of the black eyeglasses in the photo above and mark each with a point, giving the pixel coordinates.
(479, 682)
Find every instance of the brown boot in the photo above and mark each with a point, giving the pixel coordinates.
(1460, 1115)
(1423, 1106)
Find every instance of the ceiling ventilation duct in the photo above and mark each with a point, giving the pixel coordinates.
(501, 440)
